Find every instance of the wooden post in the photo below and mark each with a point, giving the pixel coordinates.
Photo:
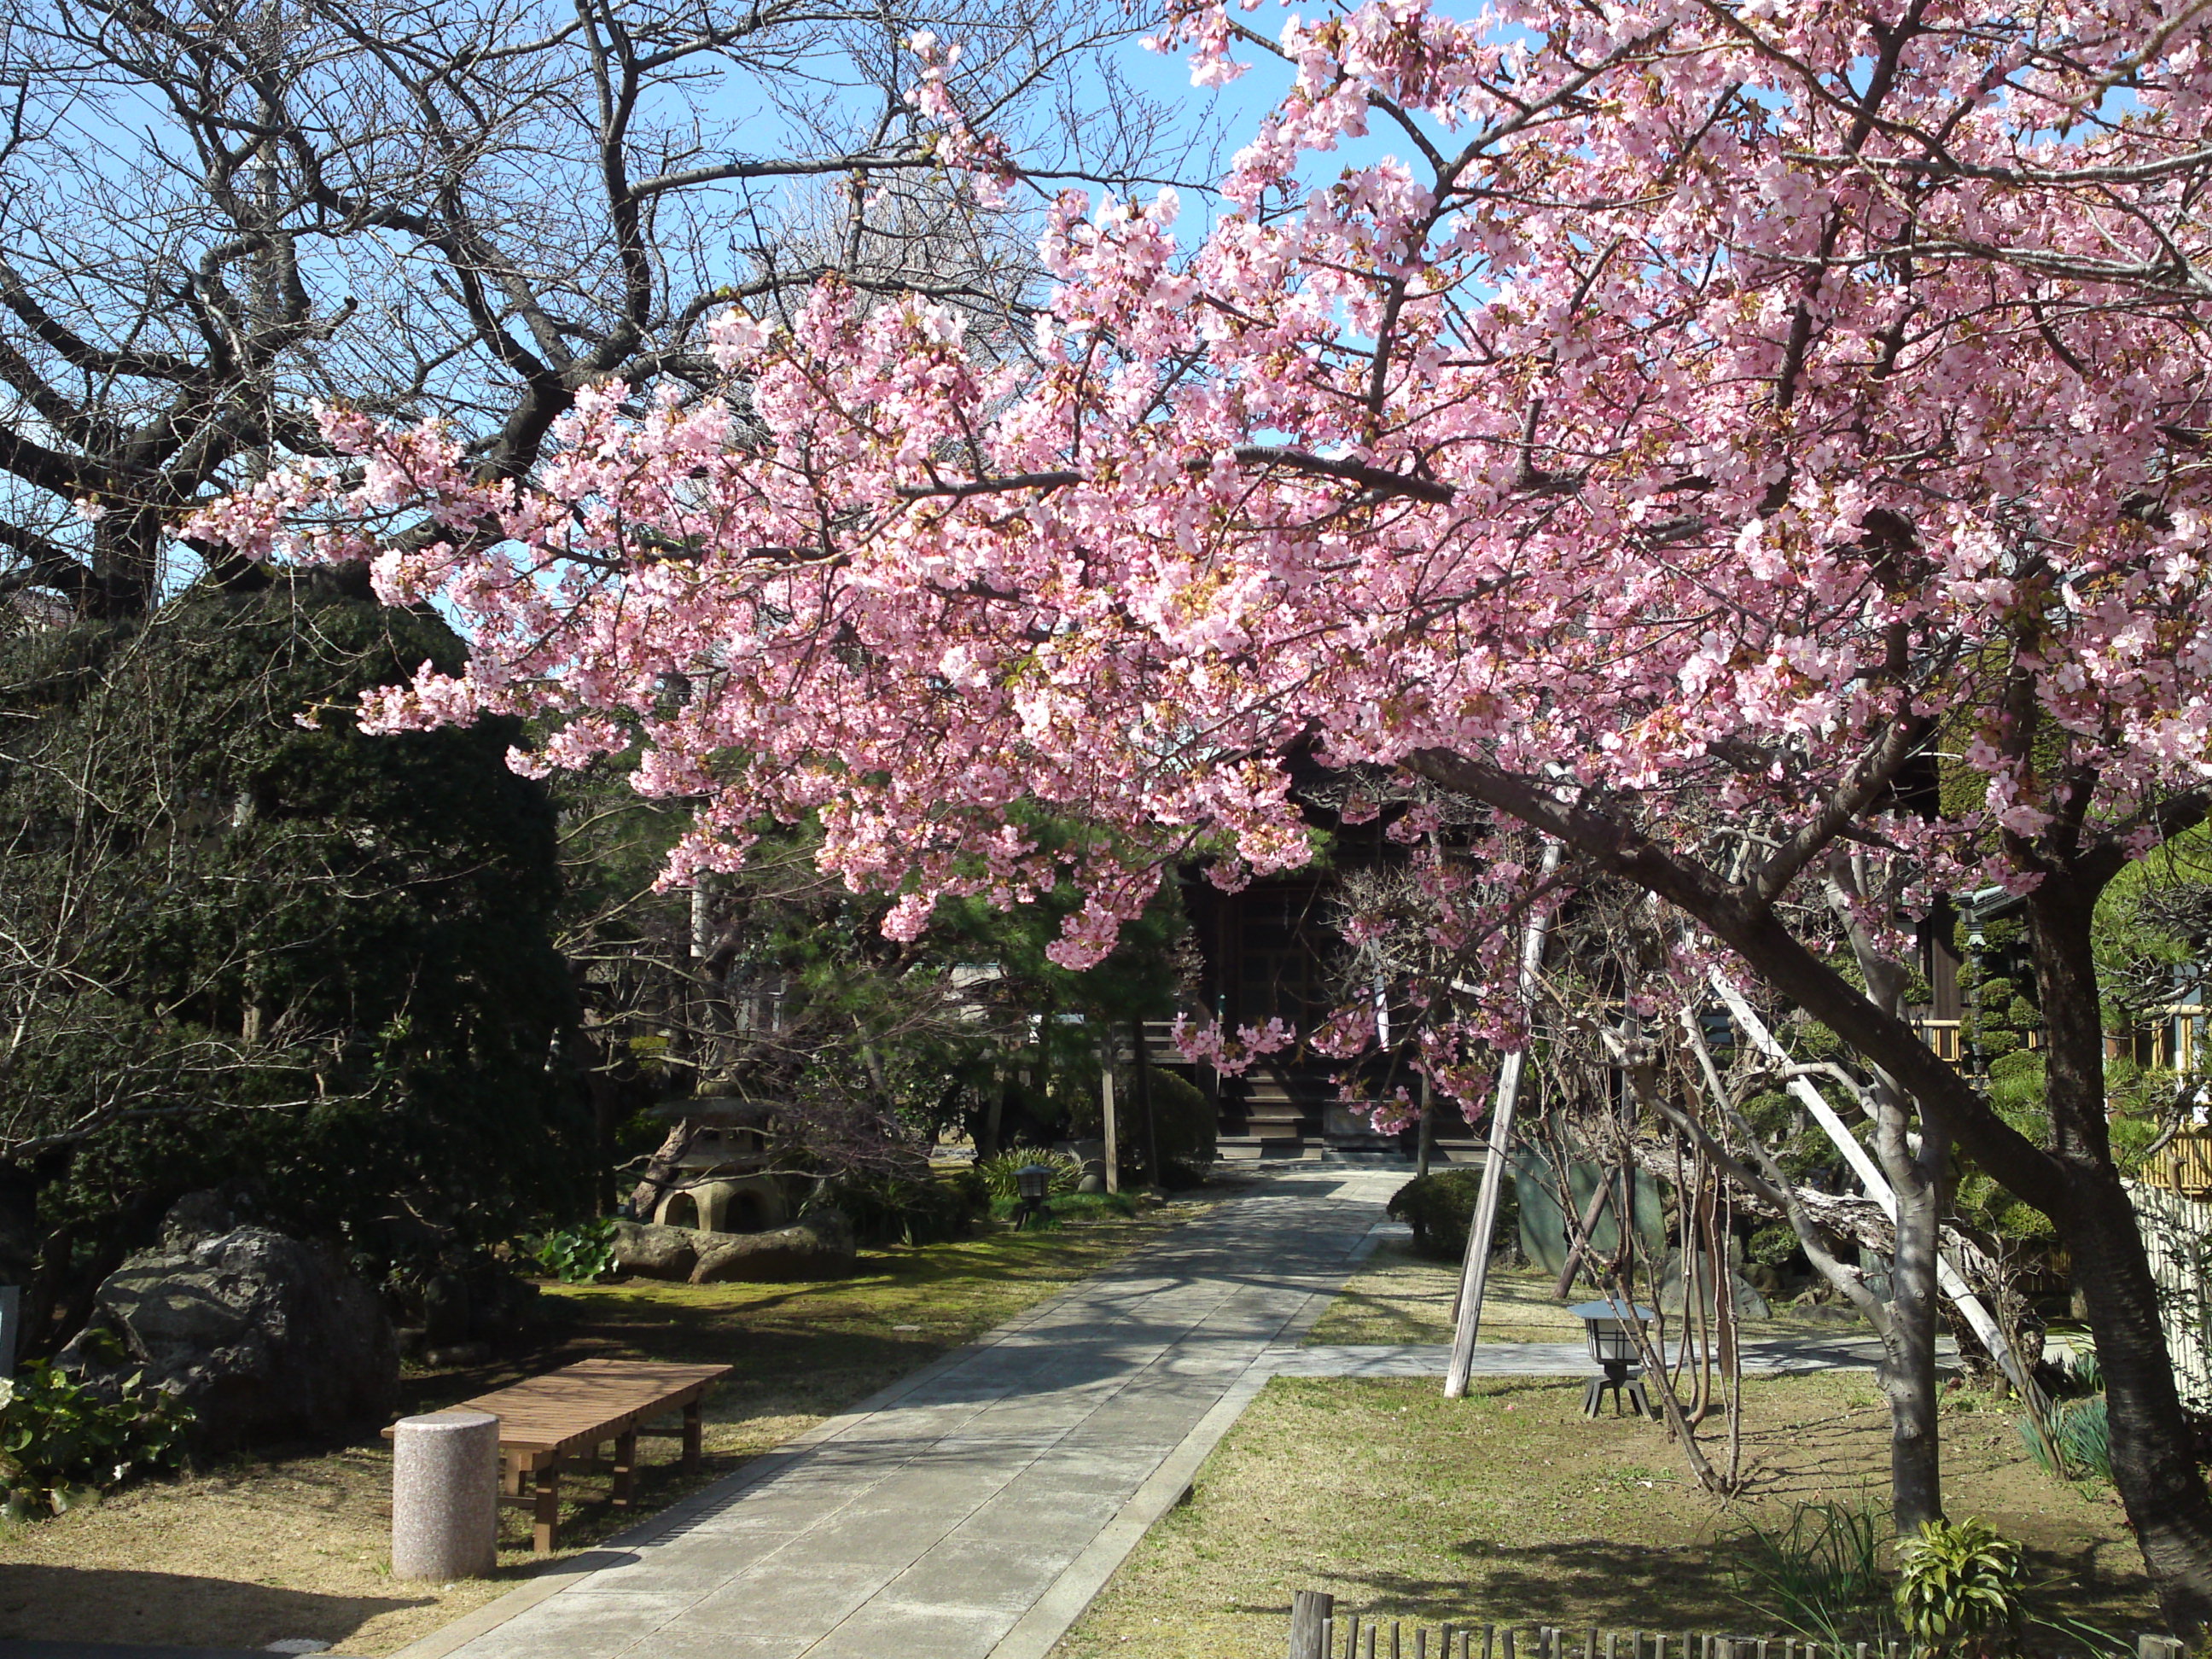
(1147, 1121)
(695, 1435)
(1475, 1269)
(1428, 1136)
(1106, 1100)
(2158, 1647)
(1309, 1609)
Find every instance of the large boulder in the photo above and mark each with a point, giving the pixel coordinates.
(267, 1339)
(819, 1246)
(651, 1251)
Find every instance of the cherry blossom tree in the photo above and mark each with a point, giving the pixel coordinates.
(1751, 403)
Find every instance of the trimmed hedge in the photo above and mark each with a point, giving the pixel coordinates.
(1183, 1120)
(1440, 1207)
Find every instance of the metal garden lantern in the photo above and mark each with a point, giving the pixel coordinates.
(1032, 1182)
(1608, 1324)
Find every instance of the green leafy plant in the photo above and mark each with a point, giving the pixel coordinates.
(1959, 1588)
(63, 1444)
(999, 1171)
(2083, 1436)
(1818, 1573)
(577, 1256)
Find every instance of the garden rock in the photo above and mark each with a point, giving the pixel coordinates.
(819, 1246)
(1749, 1303)
(264, 1337)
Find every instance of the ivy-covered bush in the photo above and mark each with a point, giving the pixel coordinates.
(63, 1444)
(1440, 1208)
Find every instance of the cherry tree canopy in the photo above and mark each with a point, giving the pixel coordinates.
(1723, 397)
(1726, 402)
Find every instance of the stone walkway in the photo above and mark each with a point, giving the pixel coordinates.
(973, 1509)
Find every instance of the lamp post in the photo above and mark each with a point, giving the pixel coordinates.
(1032, 1182)
(1612, 1345)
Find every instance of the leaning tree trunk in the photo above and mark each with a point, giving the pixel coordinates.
(2157, 1480)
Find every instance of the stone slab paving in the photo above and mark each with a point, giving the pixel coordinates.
(973, 1508)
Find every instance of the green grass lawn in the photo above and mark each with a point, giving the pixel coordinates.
(1510, 1507)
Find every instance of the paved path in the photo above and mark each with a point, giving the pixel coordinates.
(973, 1510)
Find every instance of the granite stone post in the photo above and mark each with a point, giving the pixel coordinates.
(445, 1495)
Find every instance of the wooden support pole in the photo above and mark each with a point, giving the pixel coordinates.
(1106, 1100)
(1948, 1279)
(1474, 1268)
(1427, 1139)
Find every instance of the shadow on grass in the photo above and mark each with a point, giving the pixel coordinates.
(49, 1603)
(1623, 1586)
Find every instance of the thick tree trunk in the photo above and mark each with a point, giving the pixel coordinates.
(2157, 1480)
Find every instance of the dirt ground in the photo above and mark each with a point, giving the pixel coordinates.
(1509, 1506)
(261, 1549)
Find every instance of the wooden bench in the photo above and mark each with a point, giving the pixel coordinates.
(559, 1420)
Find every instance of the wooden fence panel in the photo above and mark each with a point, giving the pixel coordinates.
(2176, 1233)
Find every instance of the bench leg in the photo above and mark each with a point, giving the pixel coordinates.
(510, 1472)
(694, 1436)
(625, 1470)
(545, 1509)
